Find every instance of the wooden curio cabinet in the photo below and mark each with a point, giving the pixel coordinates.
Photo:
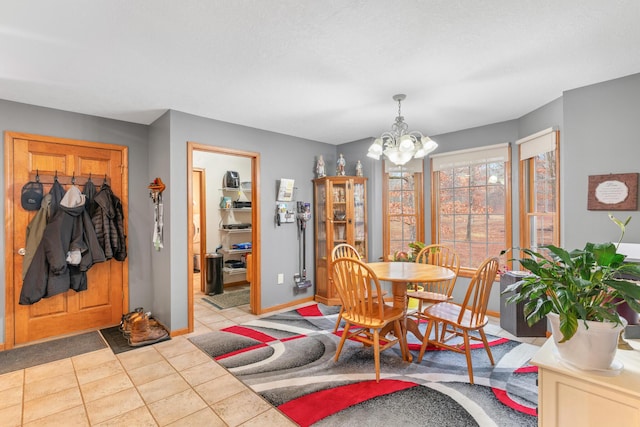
(340, 216)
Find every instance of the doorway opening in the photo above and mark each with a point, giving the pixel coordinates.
(217, 226)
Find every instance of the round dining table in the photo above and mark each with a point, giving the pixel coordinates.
(400, 274)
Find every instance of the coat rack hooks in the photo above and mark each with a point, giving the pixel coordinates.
(65, 180)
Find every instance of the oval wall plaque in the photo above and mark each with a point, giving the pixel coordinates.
(612, 192)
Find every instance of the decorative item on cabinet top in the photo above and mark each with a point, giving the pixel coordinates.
(320, 169)
(340, 166)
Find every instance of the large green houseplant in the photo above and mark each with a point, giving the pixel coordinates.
(579, 286)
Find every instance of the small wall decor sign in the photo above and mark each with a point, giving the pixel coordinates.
(613, 192)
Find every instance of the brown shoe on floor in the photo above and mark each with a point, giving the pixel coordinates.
(125, 324)
(142, 333)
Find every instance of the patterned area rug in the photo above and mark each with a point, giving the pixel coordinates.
(230, 298)
(288, 359)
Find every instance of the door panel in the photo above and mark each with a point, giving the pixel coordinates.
(103, 303)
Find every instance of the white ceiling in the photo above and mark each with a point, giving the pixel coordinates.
(317, 69)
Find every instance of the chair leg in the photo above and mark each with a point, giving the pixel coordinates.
(467, 352)
(486, 345)
(425, 340)
(338, 320)
(435, 328)
(345, 333)
(376, 352)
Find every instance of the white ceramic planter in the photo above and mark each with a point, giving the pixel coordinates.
(592, 348)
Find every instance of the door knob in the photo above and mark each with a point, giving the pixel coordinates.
(22, 251)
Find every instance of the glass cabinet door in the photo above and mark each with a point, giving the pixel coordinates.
(360, 219)
(321, 220)
(339, 212)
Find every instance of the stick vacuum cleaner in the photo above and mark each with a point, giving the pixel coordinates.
(304, 215)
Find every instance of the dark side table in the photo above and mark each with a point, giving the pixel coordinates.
(512, 315)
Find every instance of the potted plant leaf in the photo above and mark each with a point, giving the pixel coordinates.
(579, 292)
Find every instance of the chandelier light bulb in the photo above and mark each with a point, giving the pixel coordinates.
(375, 151)
(406, 144)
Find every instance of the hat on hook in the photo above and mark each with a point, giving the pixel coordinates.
(32, 194)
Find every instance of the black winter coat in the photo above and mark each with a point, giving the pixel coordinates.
(108, 221)
(49, 273)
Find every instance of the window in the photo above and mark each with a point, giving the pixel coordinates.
(539, 186)
(471, 203)
(403, 218)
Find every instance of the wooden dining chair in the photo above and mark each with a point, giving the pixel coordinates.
(364, 309)
(434, 292)
(460, 319)
(343, 250)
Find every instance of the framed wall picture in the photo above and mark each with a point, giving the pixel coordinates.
(613, 192)
(285, 191)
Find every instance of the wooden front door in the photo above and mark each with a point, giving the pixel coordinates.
(106, 298)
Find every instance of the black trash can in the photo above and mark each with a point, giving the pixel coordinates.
(214, 283)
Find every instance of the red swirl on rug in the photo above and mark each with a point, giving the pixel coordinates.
(313, 407)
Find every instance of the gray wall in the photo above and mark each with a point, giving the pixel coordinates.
(601, 136)
(599, 132)
(281, 156)
(44, 121)
(163, 270)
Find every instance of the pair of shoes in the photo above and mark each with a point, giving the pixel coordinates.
(145, 331)
(125, 323)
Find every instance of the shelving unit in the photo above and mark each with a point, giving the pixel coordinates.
(230, 236)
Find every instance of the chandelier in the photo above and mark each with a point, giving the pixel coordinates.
(399, 145)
